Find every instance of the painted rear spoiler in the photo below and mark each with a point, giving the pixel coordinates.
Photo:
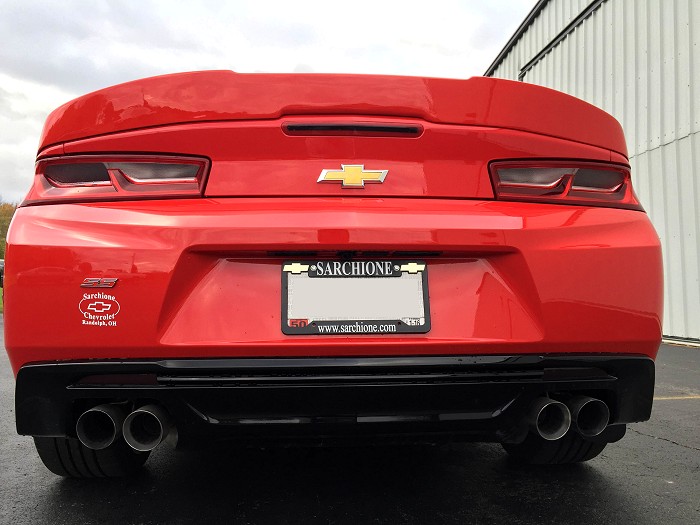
(224, 95)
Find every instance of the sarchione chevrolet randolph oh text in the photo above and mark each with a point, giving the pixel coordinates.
(329, 259)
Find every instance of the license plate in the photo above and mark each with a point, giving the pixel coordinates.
(355, 297)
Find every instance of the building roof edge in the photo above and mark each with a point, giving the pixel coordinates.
(539, 6)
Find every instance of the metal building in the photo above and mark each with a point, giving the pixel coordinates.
(640, 61)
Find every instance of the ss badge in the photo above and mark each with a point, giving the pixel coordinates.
(96, 282)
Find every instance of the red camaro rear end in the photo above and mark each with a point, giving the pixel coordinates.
(322, 258)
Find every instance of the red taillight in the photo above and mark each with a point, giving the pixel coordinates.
(89, 178)
(582, 183)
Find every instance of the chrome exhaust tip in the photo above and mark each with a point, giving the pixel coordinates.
(100, 426)
(549, 419)
(590, 416)
(146, 427)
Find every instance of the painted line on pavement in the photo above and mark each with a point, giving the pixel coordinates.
(673, 398)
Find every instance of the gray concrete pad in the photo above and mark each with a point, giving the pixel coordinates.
(651, 476)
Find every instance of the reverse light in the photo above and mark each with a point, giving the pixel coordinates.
(564, 182)
(92, 178)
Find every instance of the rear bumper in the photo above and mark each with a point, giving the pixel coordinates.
(201, 278)
(473, 397)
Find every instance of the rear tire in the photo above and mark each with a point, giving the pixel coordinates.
(70, 458)
(572, 448)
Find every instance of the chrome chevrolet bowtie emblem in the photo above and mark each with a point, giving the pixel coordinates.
(353, 175)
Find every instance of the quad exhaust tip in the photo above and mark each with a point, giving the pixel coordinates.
(146, 427)
(100, 426)
(549, 419)
(590, 416)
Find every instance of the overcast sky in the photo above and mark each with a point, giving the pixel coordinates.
(53, 52)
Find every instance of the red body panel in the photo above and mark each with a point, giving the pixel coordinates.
(195, 278)
(225, 95)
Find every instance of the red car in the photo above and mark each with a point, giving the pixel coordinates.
(329, 258)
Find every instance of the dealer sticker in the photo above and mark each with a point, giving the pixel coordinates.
(99, 309)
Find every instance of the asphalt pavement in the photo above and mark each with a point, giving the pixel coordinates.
(651, 476)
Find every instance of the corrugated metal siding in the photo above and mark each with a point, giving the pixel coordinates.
(640, 61)
(551, 21)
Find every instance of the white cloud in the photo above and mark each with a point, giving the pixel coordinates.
(51, 55)
(23, 107)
